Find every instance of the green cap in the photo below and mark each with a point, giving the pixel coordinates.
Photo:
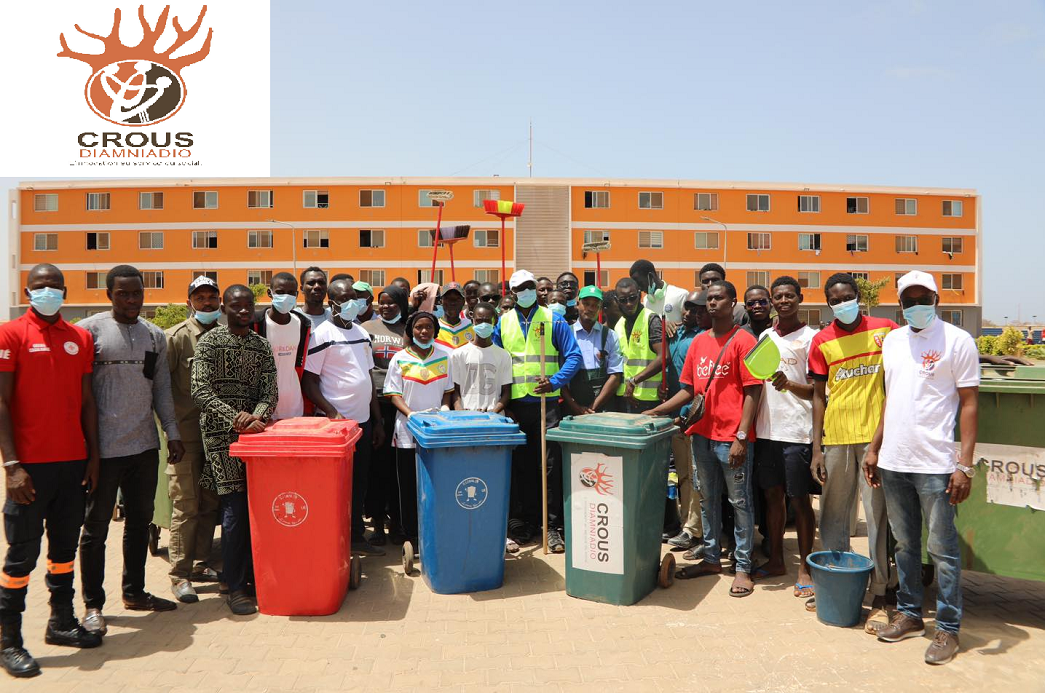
(590, 292)
(364, 287)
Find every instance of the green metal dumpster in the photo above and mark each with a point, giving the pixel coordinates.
(615, 478)
(1001, 526)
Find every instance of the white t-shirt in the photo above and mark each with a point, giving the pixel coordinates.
(420, 382)
(343, 359)
(284, 341)
(481, 372)
(923, 371)
(674, 297)
(781, 415)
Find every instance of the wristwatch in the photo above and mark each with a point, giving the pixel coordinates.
(741, 435)
(967, 471)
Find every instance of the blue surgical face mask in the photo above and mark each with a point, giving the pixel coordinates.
(424, 345)
(349, 310)
(46, 301)
(284, 303)
(526, 297)
(439, 312)
(919, 317)
(571, 302)
(207, 317)
(393, 321)
(847, 312)
(483, 329)
(557, 308)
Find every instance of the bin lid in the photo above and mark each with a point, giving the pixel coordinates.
(1024, 380)
(305, 434)
(613, 429)
(453, 429)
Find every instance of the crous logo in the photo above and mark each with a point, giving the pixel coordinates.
(929, 360)
(879, 339)
(597, 478)
(138, 85)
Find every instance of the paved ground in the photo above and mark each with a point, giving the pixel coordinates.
(393, 633)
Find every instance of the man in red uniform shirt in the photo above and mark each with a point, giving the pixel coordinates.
(49, 444)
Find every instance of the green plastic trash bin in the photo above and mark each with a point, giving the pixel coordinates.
(615, 477)
(1001, 526)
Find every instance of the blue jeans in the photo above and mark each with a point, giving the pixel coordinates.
(714, 475)
(909, 497)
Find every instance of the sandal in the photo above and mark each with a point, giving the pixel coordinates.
(510, 546)
(738, 591)
(811, 604)
(694, 570)
(694, 554)
(760, 573)
(803, 590)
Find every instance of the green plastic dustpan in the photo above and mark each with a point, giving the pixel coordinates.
(764, 359)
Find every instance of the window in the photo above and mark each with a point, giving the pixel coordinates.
(479, 195)
(856, 243)
(150, 200)
(906, 206)
(589, 278)
(953, 282)
(756, 277)
(907, 244)
(424, 238)
(952, 316)
(204, 239)
(952, 244)
(259, 277)
(372, 238)
(97, 202)
(486, 238)
(423, 200)
(209, 274)
(705, 202)
(424, 276)
(596, 199)
(259, 239)
(809, 241)
(97, 240)
(371, 198)
(316, 238)
(759, 241)
(205, 200)
(45, 202)
(896, 278)
(758, 203)
(153, 279)
(150, 240)
(809, 280)
(488, 275)
(651, 239)
(705, 240)
(860, 275)
(591, 236)
(651, 200)
(259, 199)
(952, 208)
(96, 280)
(45, 241)
(315, 199)
(856, 205)
(810, 316)
(808, 203)
(372, 277)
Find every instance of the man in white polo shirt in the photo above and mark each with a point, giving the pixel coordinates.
(932, 373)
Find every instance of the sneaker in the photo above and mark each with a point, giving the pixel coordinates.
(94, 622)
(203, 573)
(378, 537)
(18, 662)
(184, 592)
(683, 540)
(555, 542)
(943, 648)
(365, 548)
(63, 629)
(901, 627)
(240, 604)
(148, 602)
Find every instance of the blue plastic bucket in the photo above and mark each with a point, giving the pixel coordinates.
(840, 579)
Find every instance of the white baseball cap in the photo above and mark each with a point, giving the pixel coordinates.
(916, 278)
(520, 277)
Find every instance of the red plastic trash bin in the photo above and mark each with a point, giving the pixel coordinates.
(299, 490)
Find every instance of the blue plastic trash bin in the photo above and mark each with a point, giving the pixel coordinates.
(840, 580)
(464, 462)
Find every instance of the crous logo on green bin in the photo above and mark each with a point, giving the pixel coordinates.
(597, 478)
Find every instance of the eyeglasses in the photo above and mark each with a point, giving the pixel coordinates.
(757, 302)
(634, 298)
(492, 298)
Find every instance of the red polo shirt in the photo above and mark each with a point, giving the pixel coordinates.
(48, 362)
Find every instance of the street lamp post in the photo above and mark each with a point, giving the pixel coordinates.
(725, 239)
(293, 243)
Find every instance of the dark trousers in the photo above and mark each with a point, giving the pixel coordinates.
(135, 477)
(382, 495)
(59, 504)
(236, 553)
(526, 467)
(360, 477)
(406, 473)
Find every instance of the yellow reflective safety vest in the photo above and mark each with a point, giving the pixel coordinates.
(526, 351)
(637, 356)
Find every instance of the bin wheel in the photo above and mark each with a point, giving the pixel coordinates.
(928, 574)
(154, 540)
(408, 558)
(355, 573)
(666, 576)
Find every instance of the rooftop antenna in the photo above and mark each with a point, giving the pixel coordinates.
(529, 163)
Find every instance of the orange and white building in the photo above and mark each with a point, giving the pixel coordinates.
(242, 230)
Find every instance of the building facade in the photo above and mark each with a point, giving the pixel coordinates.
(244, 230)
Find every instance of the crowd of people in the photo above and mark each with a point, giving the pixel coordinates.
(79, 405)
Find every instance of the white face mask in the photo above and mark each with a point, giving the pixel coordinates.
(526, 298)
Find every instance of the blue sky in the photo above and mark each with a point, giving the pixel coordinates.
(920, 93)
